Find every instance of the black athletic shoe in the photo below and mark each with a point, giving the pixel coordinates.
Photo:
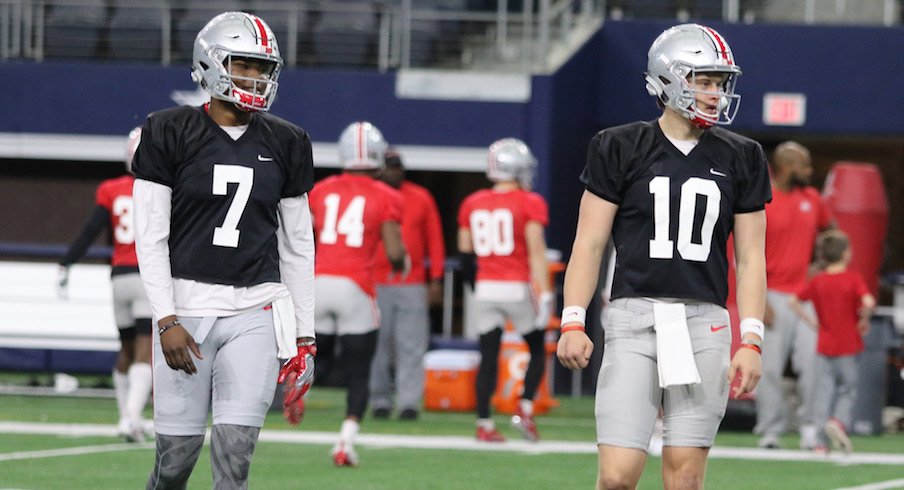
(408, 414)
(381, 413)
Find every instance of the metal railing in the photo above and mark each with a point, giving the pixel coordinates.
(367, 34)
(509, 35)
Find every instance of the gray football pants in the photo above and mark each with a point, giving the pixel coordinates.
(836, 379)
(788, 335)
(402, 341)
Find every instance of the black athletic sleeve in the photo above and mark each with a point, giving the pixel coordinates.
(300, 178)
(152, 161)
(603, 175)
(754, 188)
(97, 221)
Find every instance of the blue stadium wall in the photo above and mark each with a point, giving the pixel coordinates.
(850, 75)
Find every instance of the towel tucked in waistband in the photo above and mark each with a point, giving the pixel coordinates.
(674, 353)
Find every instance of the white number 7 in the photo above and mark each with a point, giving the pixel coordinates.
(227, 235)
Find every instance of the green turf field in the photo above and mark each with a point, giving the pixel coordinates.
(55, 461)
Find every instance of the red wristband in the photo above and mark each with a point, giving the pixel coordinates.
(752, 347)
(570, 327)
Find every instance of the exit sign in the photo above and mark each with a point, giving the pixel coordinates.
(784, 109)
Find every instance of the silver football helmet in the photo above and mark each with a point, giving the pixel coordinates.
(511, 159)
(237, 35)
(677, 56)
(361, 147)
(132, 146)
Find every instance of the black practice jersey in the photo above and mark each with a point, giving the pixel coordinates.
(675, 211)
(225, 192)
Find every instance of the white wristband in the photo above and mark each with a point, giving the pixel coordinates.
(754, 326)
(574, 314)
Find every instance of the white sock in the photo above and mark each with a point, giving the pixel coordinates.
(486, 424)
(349, 432)
(140, 380)
(526, 406)
(121, 389)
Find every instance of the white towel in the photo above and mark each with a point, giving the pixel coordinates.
(284, 324)
(674, 353)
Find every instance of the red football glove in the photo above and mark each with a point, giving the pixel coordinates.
(298, 375)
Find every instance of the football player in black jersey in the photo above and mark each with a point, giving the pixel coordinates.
(226, 252)
(669, 192)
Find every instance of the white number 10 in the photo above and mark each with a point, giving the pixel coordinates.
(661, 247)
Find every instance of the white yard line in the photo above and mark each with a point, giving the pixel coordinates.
(73, 451)
(882, 485)
(462, 443)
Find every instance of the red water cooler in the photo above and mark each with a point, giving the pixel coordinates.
(856, 195)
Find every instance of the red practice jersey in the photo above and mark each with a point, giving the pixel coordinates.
(115, 195)
(422, 233)
(349, 211)
(837, 300)
(793, 220)
(496, 221)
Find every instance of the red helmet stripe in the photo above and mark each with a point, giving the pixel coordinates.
(361, 142)
(260, 27)
(721, 45)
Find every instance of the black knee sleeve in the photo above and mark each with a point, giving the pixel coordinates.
(127, 334)
(143, 326)
(537, 364)
(486, 374)
(357, 354)
(323, 363)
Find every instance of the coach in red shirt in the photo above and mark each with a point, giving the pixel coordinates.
(794, 218)
(403, 300)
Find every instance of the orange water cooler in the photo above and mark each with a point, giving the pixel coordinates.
(451, 377)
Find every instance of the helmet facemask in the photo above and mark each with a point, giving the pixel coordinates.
(677, 57)
(259, 95)
(686, 102)
(237, 36)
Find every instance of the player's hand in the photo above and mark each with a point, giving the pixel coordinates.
(863, 326)
(574, 349)
(62, 286)
(297, 374)
(748, 364)
(405, 270)
(178, 345)
(545, 305)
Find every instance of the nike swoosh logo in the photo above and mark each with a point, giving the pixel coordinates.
(715, 328)
(264, 159)
(716, 172)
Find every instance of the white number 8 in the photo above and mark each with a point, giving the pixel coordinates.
(493, 232)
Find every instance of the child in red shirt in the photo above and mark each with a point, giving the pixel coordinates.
(843, 306)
